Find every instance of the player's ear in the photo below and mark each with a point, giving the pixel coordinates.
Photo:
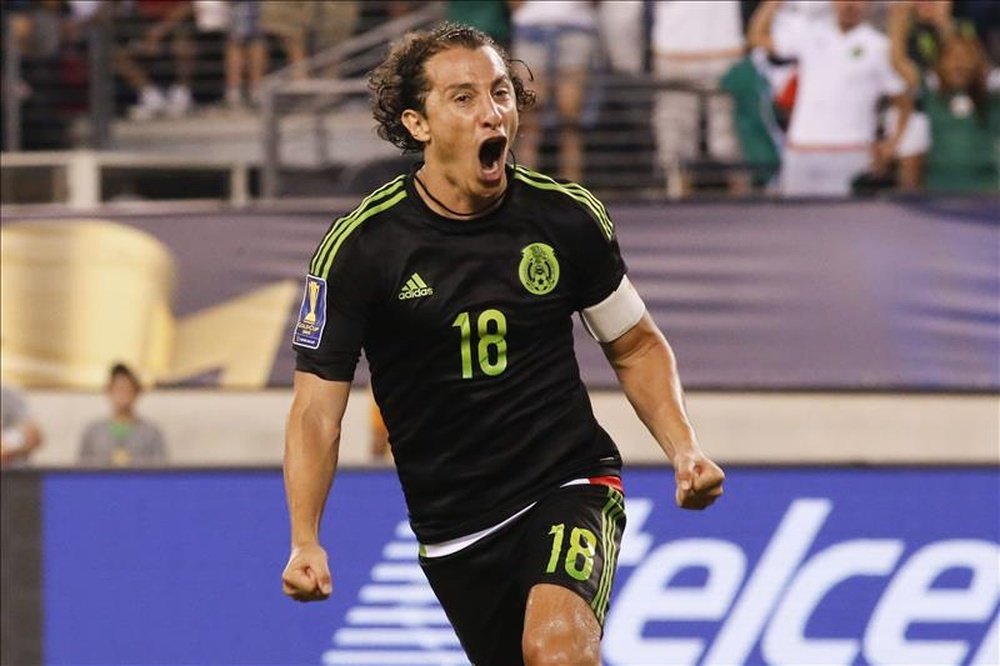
(416, 124)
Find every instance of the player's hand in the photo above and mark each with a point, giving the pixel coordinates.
(307, 575)
(699, 480)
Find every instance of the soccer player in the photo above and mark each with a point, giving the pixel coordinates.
(459, 280)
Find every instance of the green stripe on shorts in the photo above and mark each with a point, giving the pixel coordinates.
(610, 515)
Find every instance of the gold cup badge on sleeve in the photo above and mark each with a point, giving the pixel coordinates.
(313, 288)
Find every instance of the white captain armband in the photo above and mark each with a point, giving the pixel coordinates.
(616, 314)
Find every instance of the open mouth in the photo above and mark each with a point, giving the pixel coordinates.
(490, 154)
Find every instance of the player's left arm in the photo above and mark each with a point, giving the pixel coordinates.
(647, 369)
(614, 314)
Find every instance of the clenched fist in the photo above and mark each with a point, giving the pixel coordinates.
(699, 480)
(307, 575)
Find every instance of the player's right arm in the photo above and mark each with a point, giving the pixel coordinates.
(327, 340)
(312, 443)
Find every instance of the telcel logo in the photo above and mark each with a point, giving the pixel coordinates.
(772, 604)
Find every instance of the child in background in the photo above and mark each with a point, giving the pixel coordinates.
(123, 439)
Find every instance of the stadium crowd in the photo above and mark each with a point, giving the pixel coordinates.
(795, 98)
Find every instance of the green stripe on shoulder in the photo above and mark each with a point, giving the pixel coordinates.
(572, 190)
(322, 254)
(393, 198)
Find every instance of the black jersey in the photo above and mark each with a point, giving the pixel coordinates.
(467, 327)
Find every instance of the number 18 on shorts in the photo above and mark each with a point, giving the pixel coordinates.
(580, 550)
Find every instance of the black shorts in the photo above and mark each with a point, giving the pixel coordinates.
(569, 538)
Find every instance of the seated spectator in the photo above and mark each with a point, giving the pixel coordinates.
(157, 21)
(844, 69)
(124, 439)
(19, 434)
(558, 41)
(964, 120)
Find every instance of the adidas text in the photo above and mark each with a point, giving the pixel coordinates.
(415, 293)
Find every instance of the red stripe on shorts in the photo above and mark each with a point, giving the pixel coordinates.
(612, 481)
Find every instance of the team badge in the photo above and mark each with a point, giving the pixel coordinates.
(539, 269)
(312, 314)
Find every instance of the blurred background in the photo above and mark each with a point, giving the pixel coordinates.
(805, 194)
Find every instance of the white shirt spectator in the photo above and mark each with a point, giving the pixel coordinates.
(841, 77)
(697, 27)
(576, 13)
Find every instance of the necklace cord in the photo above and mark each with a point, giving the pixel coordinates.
(474, 213)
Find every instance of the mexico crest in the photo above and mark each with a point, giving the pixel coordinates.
(539, 269)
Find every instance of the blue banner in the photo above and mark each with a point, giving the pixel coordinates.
(796, 565)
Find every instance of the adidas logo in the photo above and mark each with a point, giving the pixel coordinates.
(415, 287)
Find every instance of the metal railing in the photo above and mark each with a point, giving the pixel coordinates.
(82, 171)
(282, 94)
(619, 141)
(100, 86)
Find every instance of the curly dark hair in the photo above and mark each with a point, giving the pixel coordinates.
(400, 82)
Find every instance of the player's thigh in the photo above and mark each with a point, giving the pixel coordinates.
(571, 540)
(560, 627)
(480, 598)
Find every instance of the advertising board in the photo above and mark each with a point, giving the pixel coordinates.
(794, 565)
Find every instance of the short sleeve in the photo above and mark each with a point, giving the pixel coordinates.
(596, 257)
(329, 329)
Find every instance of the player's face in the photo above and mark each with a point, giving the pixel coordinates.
(470, 119)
